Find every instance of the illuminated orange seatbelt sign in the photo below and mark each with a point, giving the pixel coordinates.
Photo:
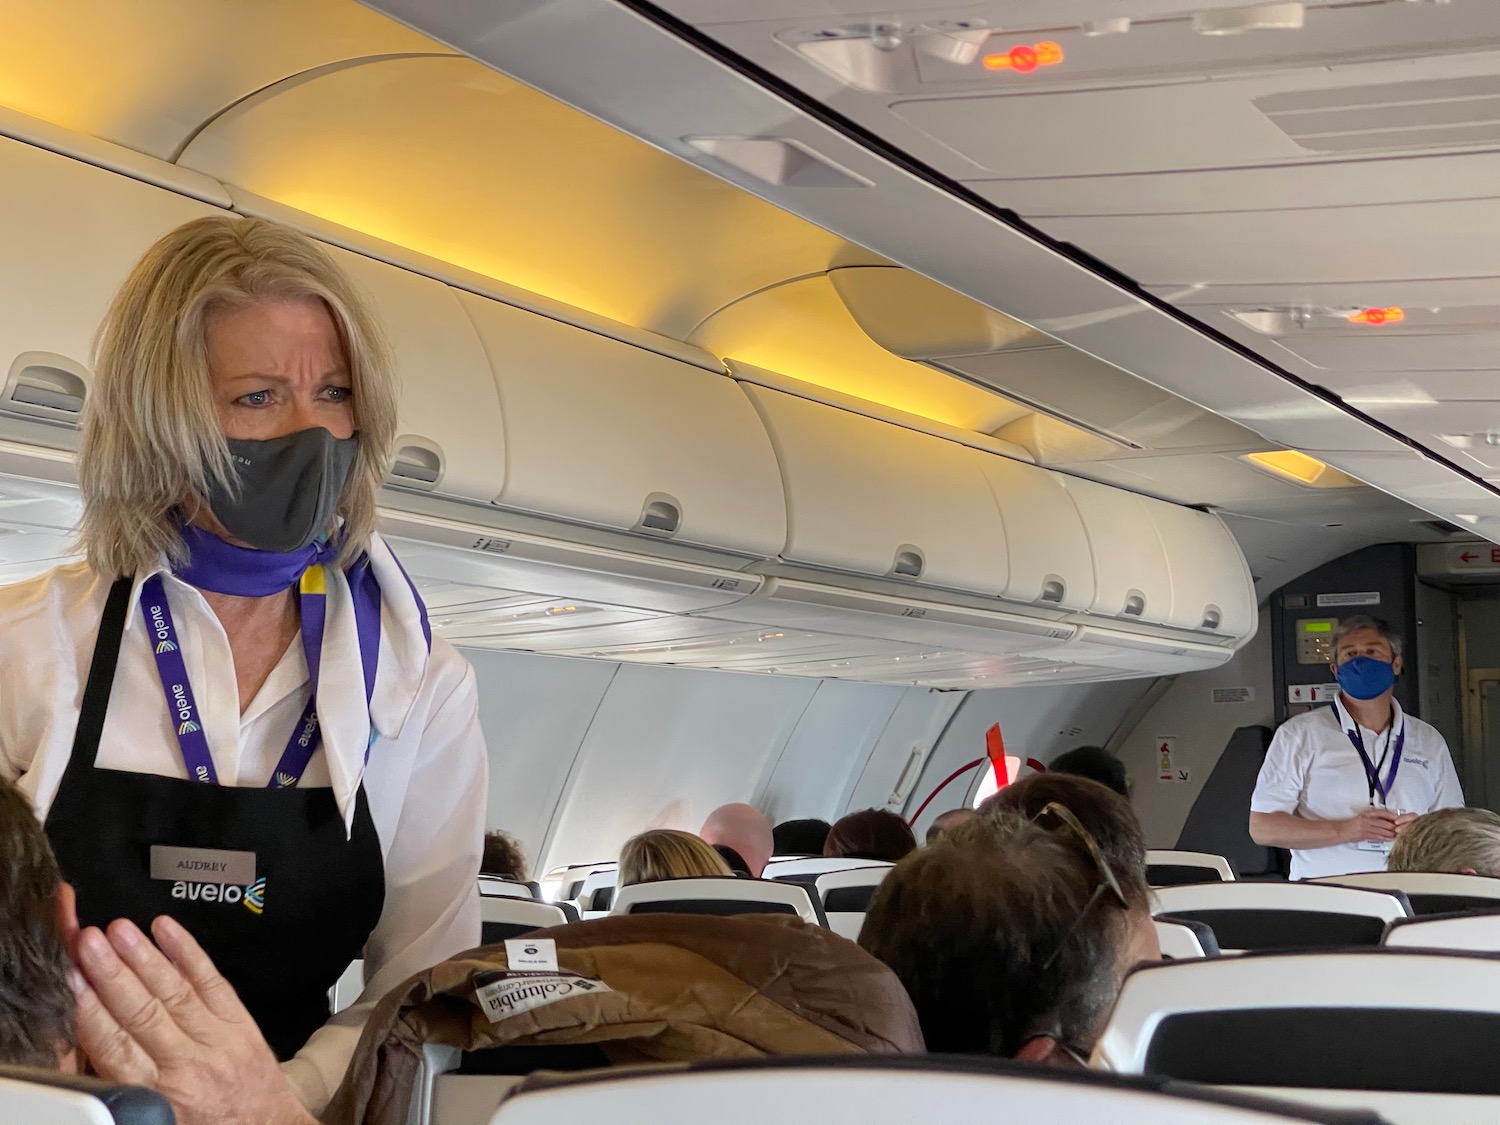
(1391, 315)
(1024, 58)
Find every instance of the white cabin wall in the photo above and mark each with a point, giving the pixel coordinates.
(1201, 729)
(1036, 722)
(836, 735)
(586, 753)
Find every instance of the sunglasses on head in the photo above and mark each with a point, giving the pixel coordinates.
(1061, 816)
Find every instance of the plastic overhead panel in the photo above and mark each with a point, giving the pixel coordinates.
(870, 498)
(1131, 579)
(1211, 585)
(1051, 562)
(449, 438)
(608, 434)
(71, 232)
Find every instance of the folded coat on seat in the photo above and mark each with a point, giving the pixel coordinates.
(678, 987)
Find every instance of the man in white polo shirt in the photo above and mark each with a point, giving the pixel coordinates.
(1340, 783)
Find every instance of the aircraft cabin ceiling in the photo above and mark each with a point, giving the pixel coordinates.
(1216, 203)
(1222, 198)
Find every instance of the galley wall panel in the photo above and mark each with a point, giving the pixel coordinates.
(1198, 714)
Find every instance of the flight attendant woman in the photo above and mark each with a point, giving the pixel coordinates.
(234, 712)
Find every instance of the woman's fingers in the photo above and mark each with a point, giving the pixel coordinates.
(111, 1050)
(162, 978)
(140, 1013)
(216, 993)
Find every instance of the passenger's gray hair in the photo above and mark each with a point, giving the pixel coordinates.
(1365, 621)
(1450, 840)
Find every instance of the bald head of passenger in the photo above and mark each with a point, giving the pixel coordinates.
(743, 828)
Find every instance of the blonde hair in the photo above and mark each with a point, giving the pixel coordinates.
(151, 434)
(664, 853)
(1450, 840)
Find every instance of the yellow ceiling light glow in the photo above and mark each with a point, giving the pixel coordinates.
(1290, 464)
(803, 330)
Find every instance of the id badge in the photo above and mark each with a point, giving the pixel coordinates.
(1381, 846)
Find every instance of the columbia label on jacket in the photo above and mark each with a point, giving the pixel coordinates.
(525, 992)
(202, 865)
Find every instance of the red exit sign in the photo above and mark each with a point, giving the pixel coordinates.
(1475, 556)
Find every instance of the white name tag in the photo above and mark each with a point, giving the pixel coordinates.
(535, 956)
(1382, 846)
(202, 865)
(526, 992)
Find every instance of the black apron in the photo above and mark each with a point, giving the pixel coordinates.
(281, 941)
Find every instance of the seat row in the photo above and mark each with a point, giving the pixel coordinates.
(828, 892)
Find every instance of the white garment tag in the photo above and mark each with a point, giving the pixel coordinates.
(525, 992)
(525, 955)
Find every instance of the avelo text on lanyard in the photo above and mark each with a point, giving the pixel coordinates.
(187, 720)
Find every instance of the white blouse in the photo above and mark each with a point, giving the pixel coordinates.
(426, 779)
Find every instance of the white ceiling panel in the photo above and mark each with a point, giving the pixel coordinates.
(1013, 13)
(1339, 183)
(1458, 238)
(1382, 351)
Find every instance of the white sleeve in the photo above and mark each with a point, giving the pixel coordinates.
(1278, 789)
(431, 884)
(1450, 793)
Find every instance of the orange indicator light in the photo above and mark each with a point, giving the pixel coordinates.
(1392, 315)
(1023, 59)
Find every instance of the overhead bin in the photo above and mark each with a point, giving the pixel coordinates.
(450, 441)
(1212, 590)
(70, 233)
(604, 433)
(869, 498)
(921, 619)
(1050, 560)
(1131, 579)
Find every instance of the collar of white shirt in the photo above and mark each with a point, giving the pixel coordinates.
(347, 726)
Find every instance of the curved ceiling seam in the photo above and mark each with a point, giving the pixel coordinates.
(743, 297)
(271, 89)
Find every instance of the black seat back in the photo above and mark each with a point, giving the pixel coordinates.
(126, 1105)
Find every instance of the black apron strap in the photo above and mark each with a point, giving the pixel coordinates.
(101, 676)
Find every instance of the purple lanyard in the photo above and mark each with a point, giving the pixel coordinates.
(1372, 769)
(312, 596)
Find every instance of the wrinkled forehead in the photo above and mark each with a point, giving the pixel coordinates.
(1365, 642)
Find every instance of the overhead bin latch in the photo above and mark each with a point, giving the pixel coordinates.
(47, 387)
(909, 562)
(1054, 588)
(1213, 617)
(418, 464)
(1135, 603)
(660, 515)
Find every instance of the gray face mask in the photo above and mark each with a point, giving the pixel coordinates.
(289, 488)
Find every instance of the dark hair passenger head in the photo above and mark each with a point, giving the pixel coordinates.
(1003, 933)
(1096, 764)
(36, 1002)
(1106, 815)
(800, 837)
(870, 834)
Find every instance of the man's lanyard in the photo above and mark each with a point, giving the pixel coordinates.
(1372, 769)
(312, 596)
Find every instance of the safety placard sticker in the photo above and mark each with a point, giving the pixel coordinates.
(525, 992)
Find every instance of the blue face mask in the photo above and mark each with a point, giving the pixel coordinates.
(1364, 677)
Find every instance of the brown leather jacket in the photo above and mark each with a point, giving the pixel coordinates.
(676, 987)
